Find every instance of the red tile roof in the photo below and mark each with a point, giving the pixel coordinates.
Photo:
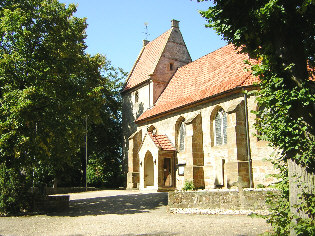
(218, 72)
(162, 141)
(147, 61)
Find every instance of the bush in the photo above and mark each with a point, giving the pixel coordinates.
(14, 196)
(104, 174)
(189, 185)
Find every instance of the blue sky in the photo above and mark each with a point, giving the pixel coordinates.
(116, 27)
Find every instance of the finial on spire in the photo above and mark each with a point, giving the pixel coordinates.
(146, 30)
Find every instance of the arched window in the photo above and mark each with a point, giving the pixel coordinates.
(181, 136)
(220, 124)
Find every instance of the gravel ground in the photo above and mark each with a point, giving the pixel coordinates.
(128, 213)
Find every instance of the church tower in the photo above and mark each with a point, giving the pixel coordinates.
(156, 64)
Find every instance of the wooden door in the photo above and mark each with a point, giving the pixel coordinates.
(167, 172)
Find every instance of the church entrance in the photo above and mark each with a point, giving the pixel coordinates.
(167, 172)
(148, 170)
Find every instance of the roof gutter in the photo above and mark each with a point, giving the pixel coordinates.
(133, 68)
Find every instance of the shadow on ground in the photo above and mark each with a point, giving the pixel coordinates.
(120, 204)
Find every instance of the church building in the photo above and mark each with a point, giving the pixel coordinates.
(191, 121)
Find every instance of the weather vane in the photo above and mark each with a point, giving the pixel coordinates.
(146, 30)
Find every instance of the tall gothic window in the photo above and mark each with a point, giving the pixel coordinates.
(220, 124)
(181, 137)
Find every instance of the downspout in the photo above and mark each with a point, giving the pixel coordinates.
(149, 94)
(174, 170)
(248, 141)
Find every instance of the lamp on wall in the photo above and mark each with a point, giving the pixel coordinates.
(140, 163)
(154, 161)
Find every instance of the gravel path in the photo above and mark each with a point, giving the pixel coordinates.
(128, 213)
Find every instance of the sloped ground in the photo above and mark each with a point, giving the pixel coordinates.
(128, 213)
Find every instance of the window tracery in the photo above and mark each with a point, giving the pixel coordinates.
(220, 124)
(182, 137)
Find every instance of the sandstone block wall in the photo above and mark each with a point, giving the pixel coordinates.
(219, 201)
(224, 165)
(131, 110)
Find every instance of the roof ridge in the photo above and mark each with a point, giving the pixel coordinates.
(133, 67)
(159, 144)
(200, 58)
(159, 36)
(154, 139)
(148, 51)
(162, 51)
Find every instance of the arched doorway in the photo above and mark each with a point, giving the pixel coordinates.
(148, 170)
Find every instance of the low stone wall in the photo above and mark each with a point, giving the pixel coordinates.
(230, 201)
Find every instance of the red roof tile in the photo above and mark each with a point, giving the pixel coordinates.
(147, 61)
(213, 74)
(162, 141)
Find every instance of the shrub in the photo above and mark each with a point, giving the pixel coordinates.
(14, 196)
(189, 185)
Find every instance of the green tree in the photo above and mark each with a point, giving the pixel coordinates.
(48, 85)
(279, 34)
(105, 140)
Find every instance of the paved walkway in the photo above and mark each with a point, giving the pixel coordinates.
(128, 213)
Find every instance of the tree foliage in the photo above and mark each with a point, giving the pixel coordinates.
(48, 85)
(279, 34)
(104, 138)
(14, 195)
